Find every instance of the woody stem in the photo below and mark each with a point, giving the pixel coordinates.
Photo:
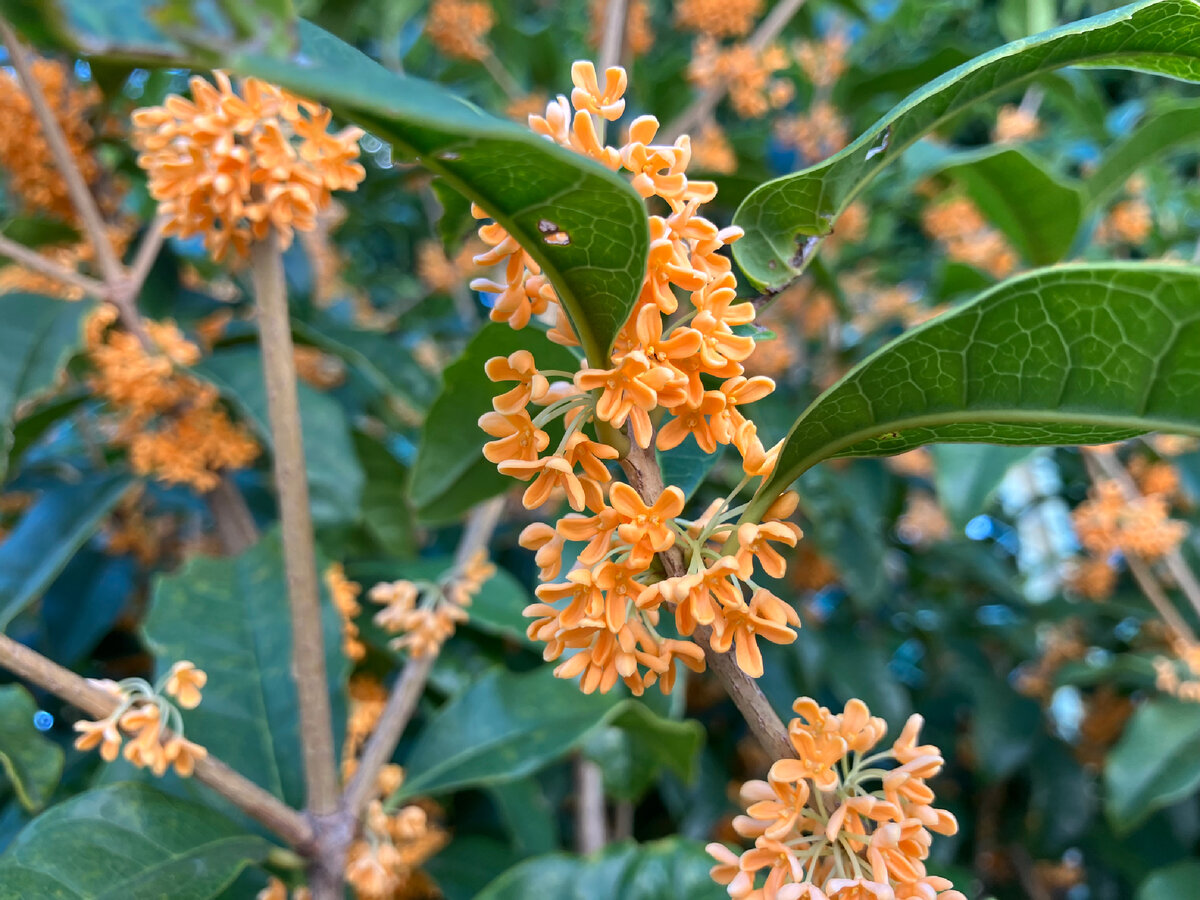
(408, 688)
(299, 550)
(238, 790)
(643, 472)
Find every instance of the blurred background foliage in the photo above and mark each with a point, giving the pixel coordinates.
(960, 582)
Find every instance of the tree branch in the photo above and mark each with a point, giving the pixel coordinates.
(644, 474)
(31, 259)
(238, 790)
(299, 551)
(81, 197)
(411, 684)
(701, 109)
(590, 825)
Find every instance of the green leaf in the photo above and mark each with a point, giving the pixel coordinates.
(1167, 129)
(250, 716)
(505, 726)
(1037, 212)
(526, 182)
(671, 869)
(1178, 882)
(686, 466)
(1068, 355)
(450, 474)
(47, 536)
(528, 814)
(639, 746)
(386, 511)
(39, 335)
(1154, 764)
(786, 219)
(126, 841)
(32, 762)
(335, 479)
(37, 231)
(967, 475)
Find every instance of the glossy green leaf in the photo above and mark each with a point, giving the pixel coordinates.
(686, 466)
(250, 716)
(126, 841)
(1068, 355)
(967, 475)
(1178, 882)
(1164, 130)
(450, 474)
(785, 219)
(47, 536)
(39, 335)
(639, 746)
(671, 869)
(530, 185)
(32, 762)
(1037, 212)
(386, 512)
(1154, 764)
(37, 231)
(335, 479)
(505, 726)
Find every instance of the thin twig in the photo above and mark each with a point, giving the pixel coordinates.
(611, 43)
(590, 826)
(701, 109)
(299, 551)
(31, 259)
(147, 253)
(81, 197)
(645, 475)
(411, 684)
(241, 792)
(1111, 467)
(503, 77)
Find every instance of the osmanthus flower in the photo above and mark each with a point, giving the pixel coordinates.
(425, 614)
(1109, 521)
(842, 820)
(145, 726)
(675, 368)
(718, 18)
(459, 28)
(233, 167)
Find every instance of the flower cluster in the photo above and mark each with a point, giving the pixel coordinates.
(344, 594)
(25, 155)
(1180, 676)
(1015, 124)
(835, 823)
(459, 28)
(961, 229)
(151, 721)
(172, 423)
(232, 168)
(611, 602)
(718, 18)
(425, 613)
(440, 273)
(747, 73)
(1109, 522)
(817, 133)
(824, 62)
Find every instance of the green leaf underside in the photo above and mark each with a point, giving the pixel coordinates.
(1178, 882)
(126, 841)
(250, 715)
(785, 219)
(1155, 763)
(32, 762)
(1067, 355)
(450, 473)
(521, 179)
(39, 335)
(505, 726)
(671, 869)
(335, 478)
(47, 536)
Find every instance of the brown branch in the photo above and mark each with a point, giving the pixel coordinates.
(408, 688)
(81, 197)
(701, 109)
(242, 793)
(33, 260)
(591, 829)
(299, 551)
(644, 474)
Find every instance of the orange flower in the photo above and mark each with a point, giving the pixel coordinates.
(519, 367)
(646, 528)
(517, 437)
(458, 28)
(719, 18)
(184, 682)
(629, 389)
(232, 167)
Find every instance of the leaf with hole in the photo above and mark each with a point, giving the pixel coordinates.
(786, 219)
